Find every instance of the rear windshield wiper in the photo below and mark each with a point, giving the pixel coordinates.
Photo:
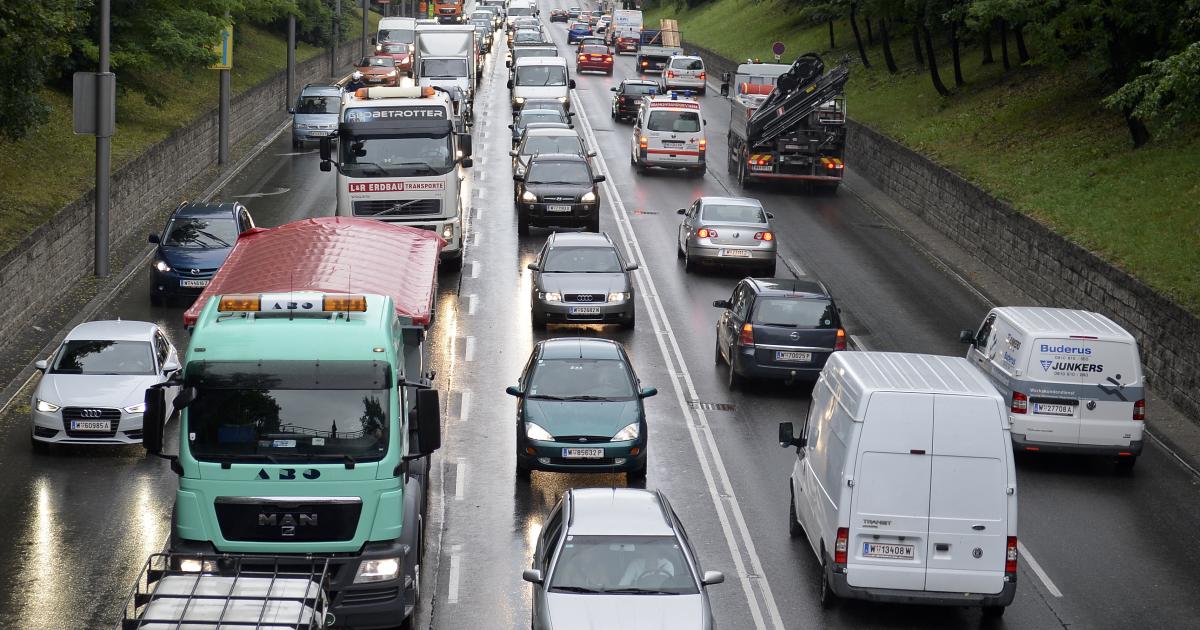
(775, 324)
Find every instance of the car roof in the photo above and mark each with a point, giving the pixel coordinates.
(320, 89)
(731, 201)
(558, 157)
(578, 348)
(580, 239)
(541, 61)
(535, 130)
(1040, 320)
(790, 287)
(112, 330)
(618, 512)
(206, 209)
(864, 371)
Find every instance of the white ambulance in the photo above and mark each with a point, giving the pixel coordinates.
(669, 132)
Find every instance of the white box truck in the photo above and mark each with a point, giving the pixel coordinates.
(446, 58)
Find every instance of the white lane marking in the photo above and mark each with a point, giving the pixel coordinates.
(482, 175)
(460, 479)
(455, 572)
(471, 299)
(1037, 570)
(469, 348)
(724, 498)
(796, 267)
(464, 406)
(858, 342)
(475, 265)
(19, 390)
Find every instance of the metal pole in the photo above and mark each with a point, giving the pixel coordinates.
(291, 61)
(337, 38)
(366, 26)
(223, 120)
(103, 152)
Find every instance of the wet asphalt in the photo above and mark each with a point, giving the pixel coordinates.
(1112, 550)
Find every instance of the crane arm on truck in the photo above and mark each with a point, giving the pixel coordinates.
(797, 94)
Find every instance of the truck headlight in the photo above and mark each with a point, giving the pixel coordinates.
(44, 406)
(377, 570)
(448, 231)
(618, 297)
(535, 432)
(528, 197)
(588, 198)
(138, 408)
(162, 266)
(562, 99)
(550, 296)
(195, 565)
(630, 432)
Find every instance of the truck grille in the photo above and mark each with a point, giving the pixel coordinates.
(113, 416)
(586, 298)
(384, 208)
(247, 519)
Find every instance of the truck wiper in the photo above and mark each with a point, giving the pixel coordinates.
(349, 461)
(382, 171)
(429, 167)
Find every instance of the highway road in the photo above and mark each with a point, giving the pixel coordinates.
(1110, 550)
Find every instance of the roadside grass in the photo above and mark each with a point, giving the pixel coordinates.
(52, 167)
(1035, 137)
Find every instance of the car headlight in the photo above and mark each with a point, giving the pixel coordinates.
(300, 126)
(138, 408)
(528, 197)
(162, 266)
(618, 297)
(588, 197)
(518, 99)
(392, 73)
(562, 99)
(44, 406)
(630, 432)
(377, 570)
(535, 432)
(448, 231)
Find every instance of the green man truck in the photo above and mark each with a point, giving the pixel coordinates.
(306, 418)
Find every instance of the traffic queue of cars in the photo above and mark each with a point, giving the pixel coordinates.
(928, 440)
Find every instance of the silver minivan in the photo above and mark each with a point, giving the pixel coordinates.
(315, 114)
(540, 77)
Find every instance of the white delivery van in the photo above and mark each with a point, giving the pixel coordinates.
(904, 482)
(540, 78)
(1072, 380)
(669, 132)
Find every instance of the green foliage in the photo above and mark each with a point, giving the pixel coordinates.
(1168, 94)
(33, 39)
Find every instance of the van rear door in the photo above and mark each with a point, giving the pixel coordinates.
(889, 519)
(1083, 391)
(968, 500)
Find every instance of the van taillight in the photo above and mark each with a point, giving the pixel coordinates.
(1020, 403)
(843, 544)
(746, 338)
(1139, 410)
(1010, 557)
(840, 344)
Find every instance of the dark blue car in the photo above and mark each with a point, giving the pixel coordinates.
(193, 246)
(576, 30)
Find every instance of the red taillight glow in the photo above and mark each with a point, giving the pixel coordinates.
(583, 57)
(842, 545)
(746, 338)
(643, 142)
(670, 74)
(840, 344)
(608, 59)
(701, 76)
(645, 64)
(706, 233)
(764, 236)
(1020, 403)
(1139, 410)
(1010, 556)
(703, 144)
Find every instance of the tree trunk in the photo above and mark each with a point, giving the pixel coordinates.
(954, 53)
(986, 45)
(832, 43)
(1004, 44)
(1022, 52)
(916, 42)
(931, 62)
(887, 46)
(862, 52)
(870, 33)
(1137, 128)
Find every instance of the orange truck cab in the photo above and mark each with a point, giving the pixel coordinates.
(449, 11)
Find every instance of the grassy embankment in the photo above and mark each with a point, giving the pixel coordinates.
(52, 167)
(1036, 137)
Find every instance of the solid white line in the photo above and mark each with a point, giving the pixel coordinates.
(471, 303)
(19, 390)
(460, 479)
(724, 498)
(1037, 570)
(455, 571)
(796, 267)
(469, 348)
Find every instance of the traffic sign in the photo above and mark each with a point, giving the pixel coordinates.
(777, 48)
(224, 49)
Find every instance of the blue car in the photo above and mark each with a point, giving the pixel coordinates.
(195, 243)
(575, 30)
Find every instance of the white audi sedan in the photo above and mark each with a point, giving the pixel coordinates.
(94, 385)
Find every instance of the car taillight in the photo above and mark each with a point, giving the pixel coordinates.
(701, 77)
(670, 75)
(1020, 403)
(764, 236)
(608, 58)
(1010, 556)
(643, 142)
(583, 57)
(842, 545)
(703, 144)
(645, 64)
(746, 338)
(706, 233)
(840, 344)
(1139, 410)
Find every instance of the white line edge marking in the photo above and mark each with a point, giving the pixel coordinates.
(662, 324)
(1037, 570)
(452, 589)
(469, 348)
(464, 406)
(796, 267)
(471, 299)
(460, 479)
(475, 265)
(858, 342)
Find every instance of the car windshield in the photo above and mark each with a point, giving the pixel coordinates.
(318, 105)
(397, 155)
(519, 11)
(196, 233)
(687, 64)
(525, 37)
(519, 53)
(633, 565)
(558, 173)
(573, 378)
(541, 115)
(377, 62)
(286, 409)
(594, 49)
(582, 260)
(639, 89)
(444, 68)
(86, 356)
(795, 312)
(541, 75)
(483, 27)
(732, 213)
(673, 121)
(398, 36)
(552, 144)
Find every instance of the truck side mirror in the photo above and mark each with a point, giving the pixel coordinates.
(722, 304)
(598, 178)
(966, 336)
(184, 398)
(464, 143)
(326, 150)
(510, 83)
(429, 421)
(153, 420)
(467, 162)
(326, 167)
(681, 211)
(153, 238)
(787, 437)
(373, 42)
(571, 84)
(613, 89)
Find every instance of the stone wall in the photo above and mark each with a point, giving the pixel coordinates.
(59, 253)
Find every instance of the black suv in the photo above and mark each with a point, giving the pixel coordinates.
(558, 190)
(776, 328)
(627, 95)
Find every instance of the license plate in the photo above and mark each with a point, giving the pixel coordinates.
(803, 357)
(673, 143)
(886, 550)
(1052, 409)
(558, 208)
(761, 169)
(193, 283)
(91, 425)
(585, 310)
(583, 453)
(735, 253)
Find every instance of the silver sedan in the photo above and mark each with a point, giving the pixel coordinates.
(727, 231)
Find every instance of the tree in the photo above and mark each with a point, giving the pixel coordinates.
(35, 37)
(1167, 94)
(862, 51)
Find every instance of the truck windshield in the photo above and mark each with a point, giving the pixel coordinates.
(541, 75)
(288, 409)
(518, 11)
(437, 68)
(673, 121)
(397, 36)
(398, 155)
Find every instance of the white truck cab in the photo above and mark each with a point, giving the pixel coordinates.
(669, 132)
(904, 484)
(1072, 380)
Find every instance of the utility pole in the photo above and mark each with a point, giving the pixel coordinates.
(337, 38)
(105, 100)
(291, 62)
(366, 4)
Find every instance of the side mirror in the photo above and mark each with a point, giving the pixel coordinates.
(647, 392)
(153, 420)
(508, 64)
(770, 215)
(533, 267)
(41, 364)
(510, 127)
(533, 576)
(613, 89)
(153, 238)
(373, 42)
(467, 162)
(326, 167)
(291, 110)
(631, 267)
(465, 144)
(326, 150)
(681, 211)
(712, 577)
(598, 178)
(510, 83)
(591, 154)
(787, 437)
(722, 304)
(429, 421)
(966, 336)
(571, 84)
(570, 114)
(170, 365)
(724, 89)
(513, 390)
(517, 177)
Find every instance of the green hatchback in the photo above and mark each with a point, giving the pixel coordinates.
(580, 409)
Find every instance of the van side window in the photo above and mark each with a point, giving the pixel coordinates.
(985, 330)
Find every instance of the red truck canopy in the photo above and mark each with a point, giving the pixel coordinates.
(333, 255)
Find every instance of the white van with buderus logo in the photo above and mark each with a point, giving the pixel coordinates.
(904, 483)
(1072, 379)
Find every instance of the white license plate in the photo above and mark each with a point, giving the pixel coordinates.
(193, 283)
(760, 169)
(887, 550)
(585, 310)
(91, 425)
(735, 253)
(558, 208)
(802, 357)
(583, 453)
(1054, 409)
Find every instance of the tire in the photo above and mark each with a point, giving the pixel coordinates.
(795, 530)
(678, 249)
(828, 597)
(297, 144)
(453, 264)
(537, 320)
(735, 380)
(993, 612)
(594, 223)
(717, 358)
(689, 265)
(629, 323)
(742, 177)
(523, 472)
(698, 173)
(1125, 464)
